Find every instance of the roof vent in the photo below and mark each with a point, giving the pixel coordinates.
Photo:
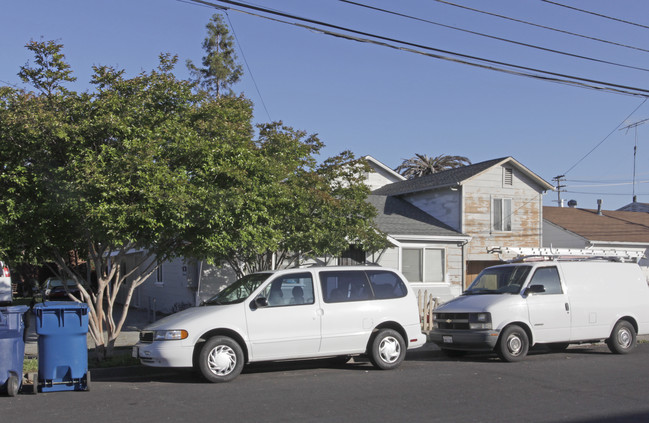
(599, 207)
(572, 203)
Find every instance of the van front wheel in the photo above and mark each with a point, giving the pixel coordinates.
(387, 350)
(622, 338)
(513, 344)
(220, 360)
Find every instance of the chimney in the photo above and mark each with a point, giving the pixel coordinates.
(599, 207)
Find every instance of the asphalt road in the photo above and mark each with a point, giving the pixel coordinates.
(584, 384)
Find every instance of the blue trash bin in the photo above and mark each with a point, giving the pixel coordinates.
(12, 348)
(62, 328)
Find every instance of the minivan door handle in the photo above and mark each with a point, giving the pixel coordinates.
(567, 308)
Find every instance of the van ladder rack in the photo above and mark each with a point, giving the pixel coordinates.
(530, 254)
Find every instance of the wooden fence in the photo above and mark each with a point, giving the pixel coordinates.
(427, 303)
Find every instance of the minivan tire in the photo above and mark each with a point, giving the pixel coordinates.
(623, 338)
(513, 344)
(388, 349)
(220, 359)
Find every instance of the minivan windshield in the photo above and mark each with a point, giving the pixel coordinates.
(239, 290)
(499, 280)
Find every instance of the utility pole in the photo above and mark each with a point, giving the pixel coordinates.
(635, 148)
(558, 179)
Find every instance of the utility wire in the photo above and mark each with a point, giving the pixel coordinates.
(606, 137)
(595, 14)
(542, 26)
(263, 103)
(461, 58)
(578, 56)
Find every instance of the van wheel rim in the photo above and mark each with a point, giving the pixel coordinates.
(222, 360)
(389, 349)
(514, 345)
(624, 338)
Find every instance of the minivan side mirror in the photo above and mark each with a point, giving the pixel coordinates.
(259, 302)
(534, 289)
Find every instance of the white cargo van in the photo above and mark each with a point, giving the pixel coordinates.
(290, 314)
(511, 307)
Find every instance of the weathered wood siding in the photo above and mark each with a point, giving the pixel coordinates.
(526, 213)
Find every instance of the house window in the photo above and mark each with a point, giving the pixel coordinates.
(508, 177)
(158, 275)
(502, 214)
(423, 264)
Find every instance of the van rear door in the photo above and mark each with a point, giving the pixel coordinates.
(549, 310)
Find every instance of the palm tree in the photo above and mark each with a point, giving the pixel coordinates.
(421, 165)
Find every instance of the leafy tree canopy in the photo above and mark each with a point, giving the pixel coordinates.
(147, 164)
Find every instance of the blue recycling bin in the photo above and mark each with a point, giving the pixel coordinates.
(12, 348)
(62, 328)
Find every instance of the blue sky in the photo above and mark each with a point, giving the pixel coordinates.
(389, 103)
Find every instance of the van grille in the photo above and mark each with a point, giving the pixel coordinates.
(146, 336)
(452, 320)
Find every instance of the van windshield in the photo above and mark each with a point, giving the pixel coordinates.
(499, 280)
(239, 290)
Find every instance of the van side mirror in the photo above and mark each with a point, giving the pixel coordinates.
(534, 289)
(258, 302)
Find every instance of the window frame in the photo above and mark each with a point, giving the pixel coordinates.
(422, 263)
(505, 218)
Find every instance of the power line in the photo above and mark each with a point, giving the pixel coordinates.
(595, 14)
(461, 58)
(550, 50)
(606, 137)
(543, 26)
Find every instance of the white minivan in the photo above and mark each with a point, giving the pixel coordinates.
(290, 314)
(511, 307)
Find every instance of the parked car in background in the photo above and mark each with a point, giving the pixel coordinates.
(53, 289)
(290, 314)
(6, 292)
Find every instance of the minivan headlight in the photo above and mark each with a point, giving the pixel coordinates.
(480, 321)
(170, 335)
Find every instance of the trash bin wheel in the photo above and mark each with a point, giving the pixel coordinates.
(13, 385)
(87, 380)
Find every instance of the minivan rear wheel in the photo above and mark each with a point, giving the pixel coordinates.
(220, 359)
(513, 344)
(387, 350)
(623, 338)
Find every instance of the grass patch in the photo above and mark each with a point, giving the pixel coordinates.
(30, 365)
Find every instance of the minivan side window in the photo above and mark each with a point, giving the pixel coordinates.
(287, 290)
(549, 278)
(386, 284)
(340, 286)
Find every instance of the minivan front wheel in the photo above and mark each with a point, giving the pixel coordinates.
(220, 359)
(513, 344)
(387, 350)
(622, 338)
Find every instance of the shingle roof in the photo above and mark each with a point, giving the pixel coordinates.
(611, 226)
(446, 178)
(398, 217)
(635, 207)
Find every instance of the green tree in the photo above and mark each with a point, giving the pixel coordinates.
(422, 165)
(143, 169)
(220, 69)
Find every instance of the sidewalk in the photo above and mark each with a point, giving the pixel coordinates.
(136, 320)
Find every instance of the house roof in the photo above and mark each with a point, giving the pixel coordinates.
(610, 226)
(453, 177)
(636, 207)
(382, 166)
(398, 217)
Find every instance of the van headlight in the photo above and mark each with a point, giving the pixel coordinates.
(170, 335)
(479, 321)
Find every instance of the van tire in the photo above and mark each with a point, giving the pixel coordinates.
(513, 344)
(623, 338)
(220, 359)
(387, 350)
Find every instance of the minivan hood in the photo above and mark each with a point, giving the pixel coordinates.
(190, 315)
(478, 303)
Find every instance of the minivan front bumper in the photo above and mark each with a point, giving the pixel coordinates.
(465, 340)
